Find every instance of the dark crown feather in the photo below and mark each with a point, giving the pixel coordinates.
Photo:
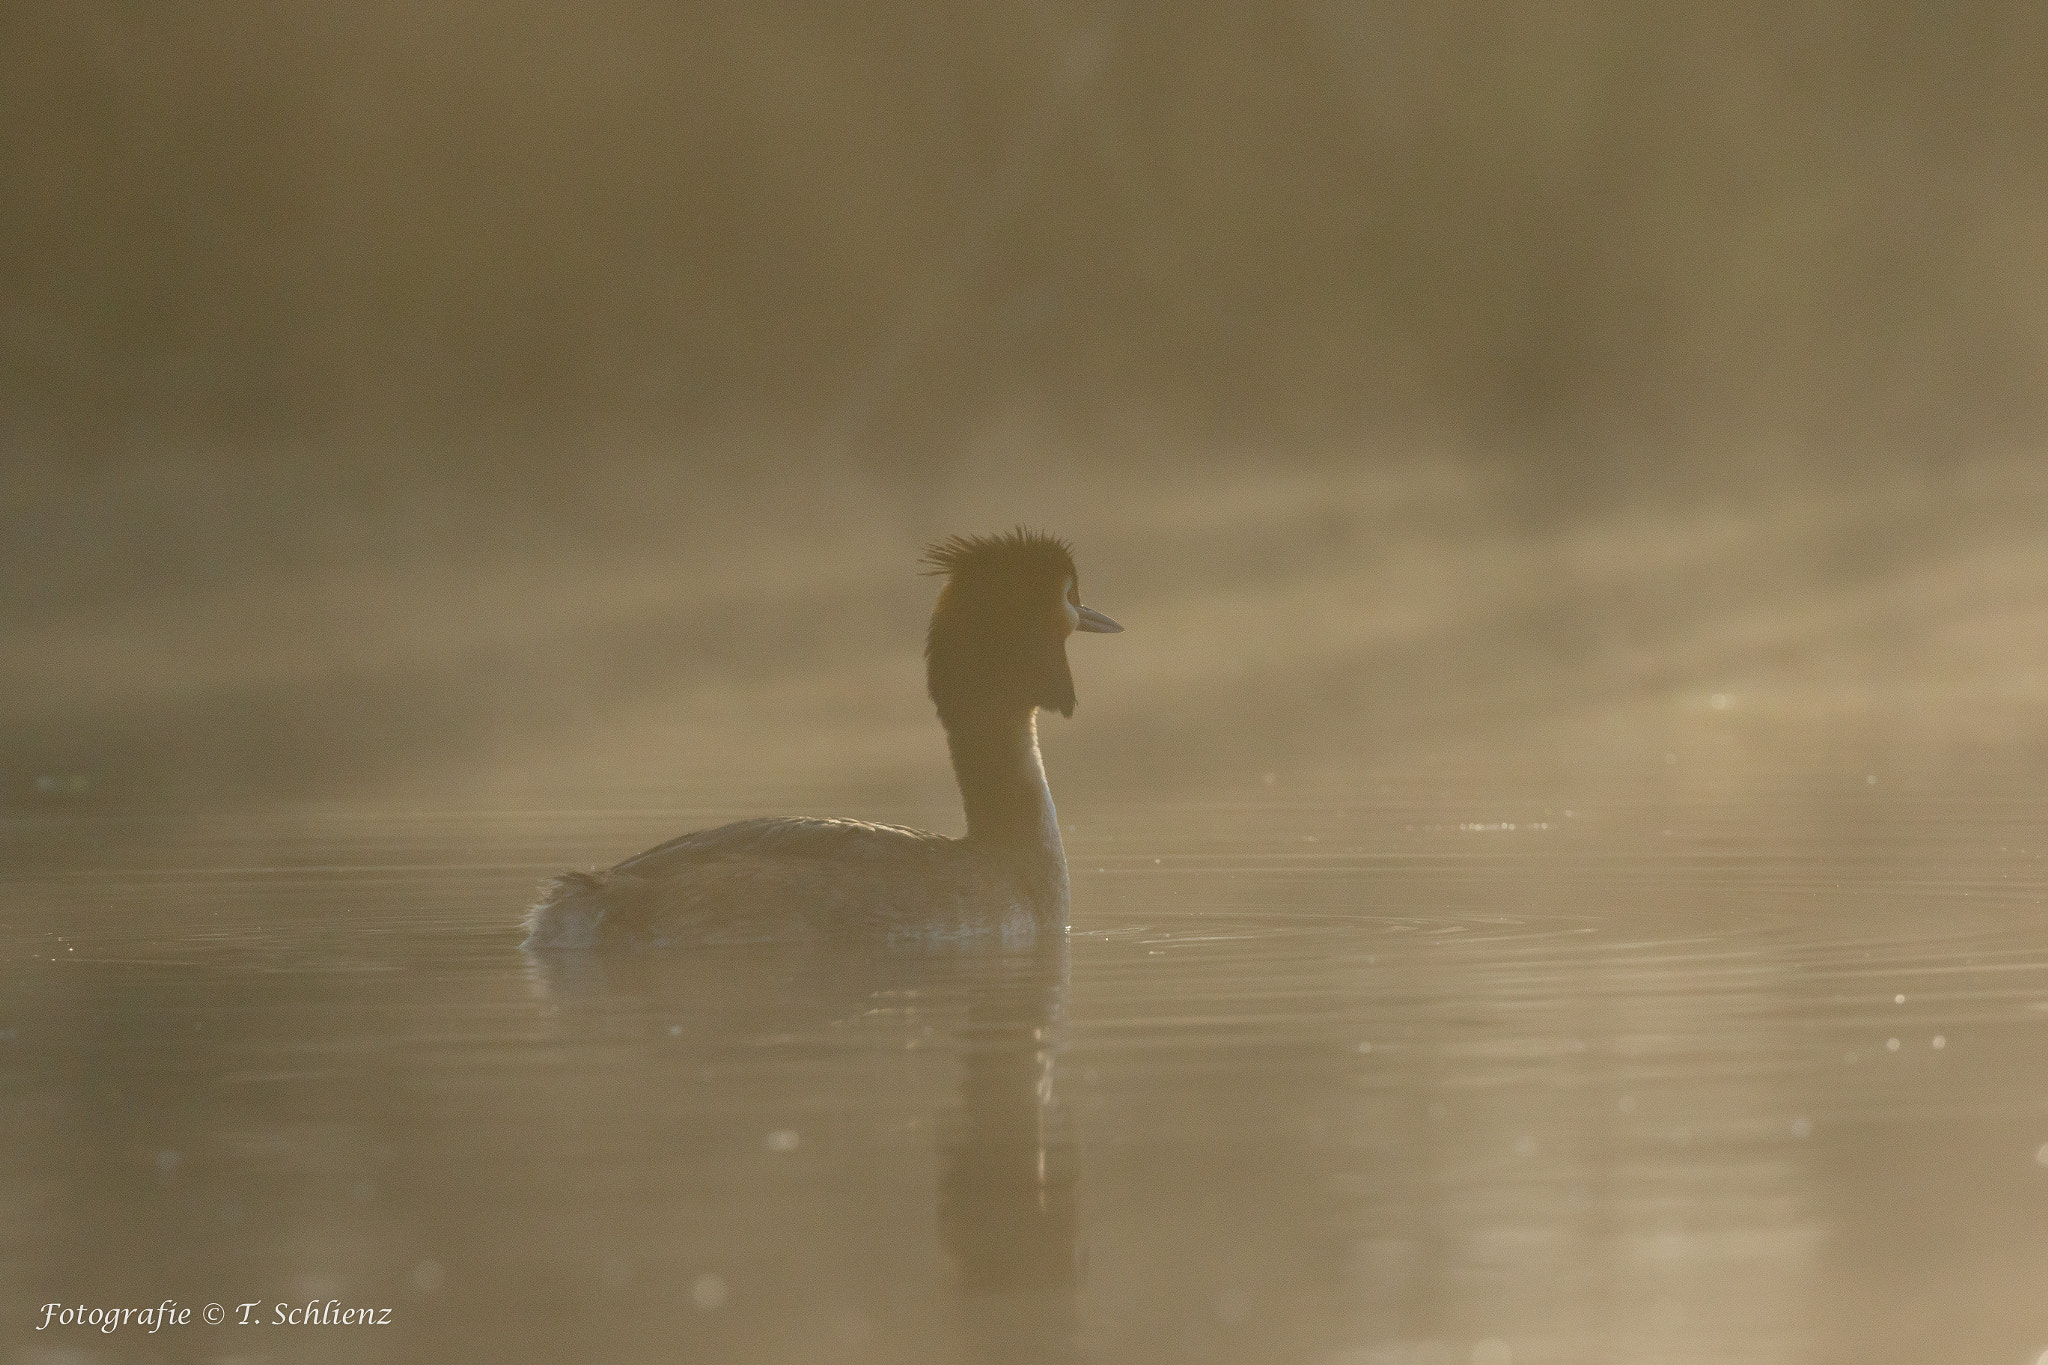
(956, 555)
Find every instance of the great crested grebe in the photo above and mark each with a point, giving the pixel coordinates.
(995, 656)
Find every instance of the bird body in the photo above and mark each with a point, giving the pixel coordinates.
(995, 656)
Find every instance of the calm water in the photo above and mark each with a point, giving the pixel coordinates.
(1747, 1075)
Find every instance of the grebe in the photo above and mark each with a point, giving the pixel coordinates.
(996, 655)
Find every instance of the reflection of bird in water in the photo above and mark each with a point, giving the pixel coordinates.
(996, 655)
(1009, 1189)
(1006, 1201)
(681, 1050)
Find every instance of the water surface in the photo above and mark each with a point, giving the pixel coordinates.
(1443, 1072)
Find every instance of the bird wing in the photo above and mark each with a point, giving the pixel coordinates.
(802, 837)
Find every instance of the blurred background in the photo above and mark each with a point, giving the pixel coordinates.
(496, 397)
(1556, 851)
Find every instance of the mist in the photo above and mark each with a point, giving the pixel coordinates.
(415, 389)
(1553, 855)
(495, 232)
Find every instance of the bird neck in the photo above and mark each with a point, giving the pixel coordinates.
(1009, 806)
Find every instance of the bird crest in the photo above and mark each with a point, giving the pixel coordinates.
(958, 557)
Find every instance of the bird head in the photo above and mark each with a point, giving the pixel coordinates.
(998, 639)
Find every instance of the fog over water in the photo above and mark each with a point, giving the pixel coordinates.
(1556, 852)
